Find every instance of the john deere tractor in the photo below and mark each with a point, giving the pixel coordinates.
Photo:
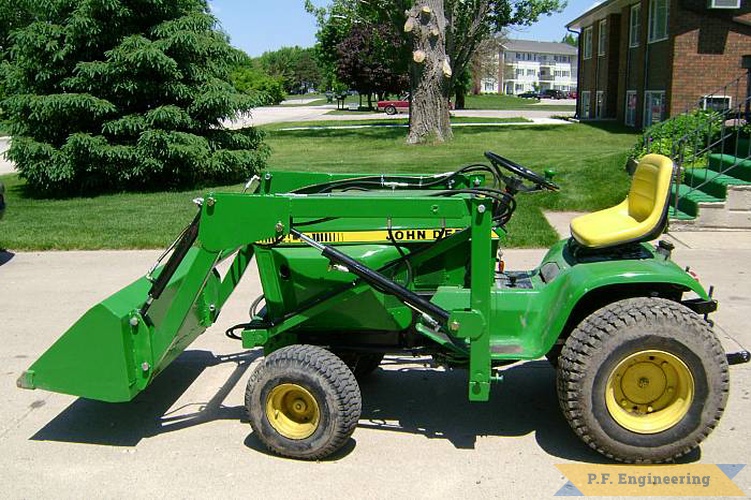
(357, 266)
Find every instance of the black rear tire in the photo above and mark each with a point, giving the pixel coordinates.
(303, 402)
(643, 380)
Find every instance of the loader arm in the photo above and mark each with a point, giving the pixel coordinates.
(117, 348)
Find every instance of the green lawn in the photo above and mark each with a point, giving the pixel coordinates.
(497, 101)
(589, 160)
(379, 122)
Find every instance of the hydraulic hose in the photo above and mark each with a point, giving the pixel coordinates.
(181, 250)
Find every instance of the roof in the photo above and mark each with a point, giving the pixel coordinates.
(540, 47)
(599, 10)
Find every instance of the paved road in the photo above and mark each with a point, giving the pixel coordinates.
(6, 167)
(418, 436)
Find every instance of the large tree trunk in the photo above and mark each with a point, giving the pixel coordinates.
(429, 112)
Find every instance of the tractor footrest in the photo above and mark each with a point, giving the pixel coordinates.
(738, 358)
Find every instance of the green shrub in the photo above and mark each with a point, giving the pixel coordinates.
(105, 96)
(684, 137)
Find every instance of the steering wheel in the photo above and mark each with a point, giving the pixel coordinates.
(521, 171)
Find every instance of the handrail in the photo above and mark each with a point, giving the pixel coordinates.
(721, 124)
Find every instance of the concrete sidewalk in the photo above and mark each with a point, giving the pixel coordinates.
(418, 437)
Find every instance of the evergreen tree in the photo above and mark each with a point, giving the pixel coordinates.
(125, 94)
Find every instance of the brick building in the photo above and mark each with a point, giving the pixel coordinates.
(641, 61)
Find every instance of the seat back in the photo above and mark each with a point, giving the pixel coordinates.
(650, 189)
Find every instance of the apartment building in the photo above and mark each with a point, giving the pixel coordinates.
(527, 65)
(642, 61)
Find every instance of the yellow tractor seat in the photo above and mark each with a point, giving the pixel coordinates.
(642, 216)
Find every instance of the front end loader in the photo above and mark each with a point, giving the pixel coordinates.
(356, 266)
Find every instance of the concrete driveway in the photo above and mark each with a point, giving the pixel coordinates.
(418, 436)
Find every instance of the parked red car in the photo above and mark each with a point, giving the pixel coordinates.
(394, 106)
(400, 105)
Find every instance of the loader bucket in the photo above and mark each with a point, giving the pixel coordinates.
(112, 353)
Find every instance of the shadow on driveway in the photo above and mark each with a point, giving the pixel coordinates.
(125, 424)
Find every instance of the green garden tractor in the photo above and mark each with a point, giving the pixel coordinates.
(357, 266)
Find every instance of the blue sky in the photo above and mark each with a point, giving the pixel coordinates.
(257, 26)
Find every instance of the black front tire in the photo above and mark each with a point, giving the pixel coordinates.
(303, 402)
(361, 364)
(620, 353)
(390, 110)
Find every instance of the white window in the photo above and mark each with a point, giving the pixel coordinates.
(600, 104)
(519, 73)
(634, 37)
(602, 34)
(654, 106)
(630, 119)
(531, 72)
(584, 105)
(587, 43)
(658, 20)
(716, 102)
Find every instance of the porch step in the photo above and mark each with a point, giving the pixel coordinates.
(690, 200)
(678, 215)
(730, 165)
(716, 183)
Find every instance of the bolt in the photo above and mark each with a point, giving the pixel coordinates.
(670, 389)
(664, 364)
(624, 403)
(133, 321)
(210, 201)
(267, 176)
(478, 181)
(643, 382)
(454, 326)
(145, 366)
(279, 227)
(650, 409)
(212, 307)
(481, 209)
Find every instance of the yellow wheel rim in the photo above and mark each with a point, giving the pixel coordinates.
(293, 411)
(649, 392)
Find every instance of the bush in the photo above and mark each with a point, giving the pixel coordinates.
(105, 96)
(255, 82)
(683, 137)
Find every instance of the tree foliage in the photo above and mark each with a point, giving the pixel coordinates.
(125, 94)
(248, 77)
(366, 60)
(570, 39)
(468, 24)
(297, 68)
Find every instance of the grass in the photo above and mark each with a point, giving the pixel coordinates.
(4, 128)
(589, 160)
(509, 102)
(380, 122)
